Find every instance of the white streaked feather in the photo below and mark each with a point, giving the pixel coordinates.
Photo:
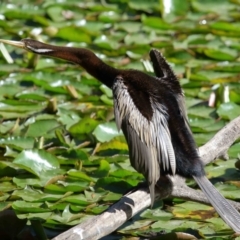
(171, 155)
(149, 141)
(40, 50)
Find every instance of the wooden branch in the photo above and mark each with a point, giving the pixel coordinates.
(129, 205)
(105, 223)
(218, 146)
(191, 194)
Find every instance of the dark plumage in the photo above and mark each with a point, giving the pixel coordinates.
(151, 112)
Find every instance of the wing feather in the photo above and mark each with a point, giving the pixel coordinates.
(149, 142)
(163, 70)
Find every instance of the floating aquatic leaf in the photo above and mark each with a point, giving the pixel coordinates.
(228, 110)
(106, 131)
(36, 161)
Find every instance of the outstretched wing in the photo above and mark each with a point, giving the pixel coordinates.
(149, 141)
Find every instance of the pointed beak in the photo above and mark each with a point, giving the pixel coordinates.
(13, 43)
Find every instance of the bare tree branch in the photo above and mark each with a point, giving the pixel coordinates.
(187, 193)
(129, 205)
(105, 223)
(218, 146)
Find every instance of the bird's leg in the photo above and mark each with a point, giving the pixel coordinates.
(164, 187)
(141, 185)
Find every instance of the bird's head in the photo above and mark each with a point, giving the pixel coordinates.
(30, 45)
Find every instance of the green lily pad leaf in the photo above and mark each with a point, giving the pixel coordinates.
(33, 215)
(103, 169)
(201, 111)
(18, 105)
(197, 77)
(8, 169)
(224, 169)
(106, 100)
(81, 175)
(174, 8)
(55, 13)
(225, 26)
(234, 96)
(4, 197)
(93, 196)
(202, 138)
(79, 154)
(143, 5)
(63, 187)
(112, 159)
(228, 191)
(193, 210)
(106, 90)
(168, 225)
(78, 199)
(23, 181)
(128, 26)
(135, 225)
(45, 63)
(96, 210)
(14, 109)
(60, 136)
(67, 117)
(20, 142)
(106, 131)
(220, 54)
(133, 55)
(29, 207)
(77, 209)
(4, 205)
(42, 128)
(117, 143)
(109, 17)
(115, 184)
(9, 127)
(71, 33)
(7, 187)
(67, 217)
(30, 195)
(60, 206)
(156, 214)
(228, 110)
(133, 39)
(92, 28)
(156, 22)
(123, 173)
(234, 150)
(210, 6)
(205, 125)
(32, 96)
(106, 43)
(219, 224)
(54, 86)
(25, 14)
(111, 196)
(46, 177)
(84, 126)
(36, 161)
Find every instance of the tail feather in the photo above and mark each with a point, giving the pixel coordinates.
(227, 212)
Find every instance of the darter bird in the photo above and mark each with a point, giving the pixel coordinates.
(151, 113)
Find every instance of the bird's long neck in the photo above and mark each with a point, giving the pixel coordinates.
(85, 58)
